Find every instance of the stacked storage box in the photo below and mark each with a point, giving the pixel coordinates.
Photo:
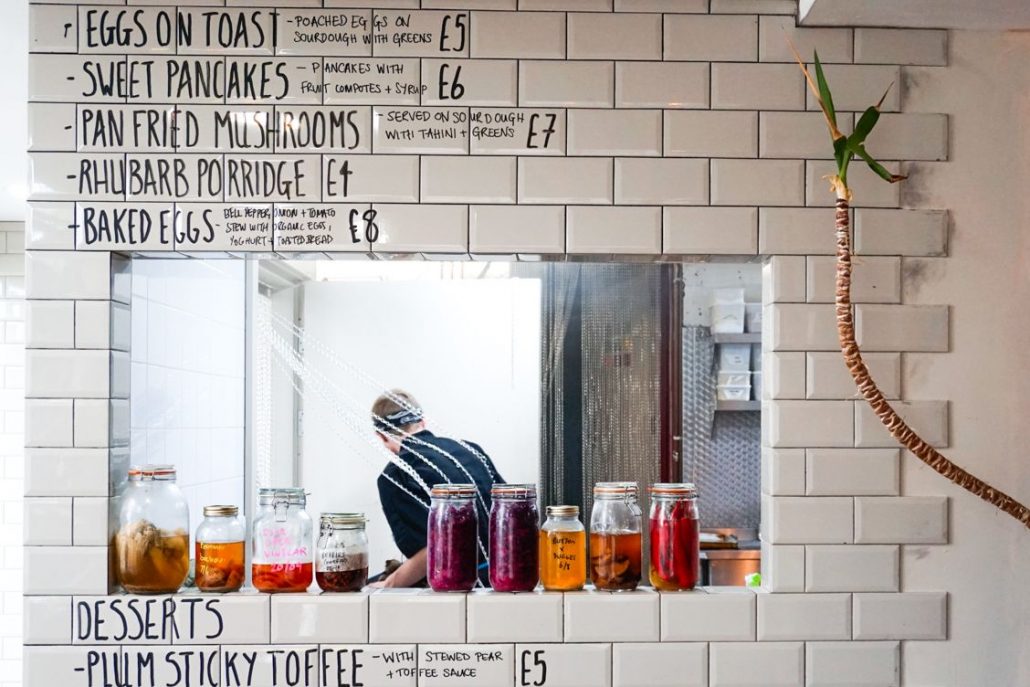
(739, 370)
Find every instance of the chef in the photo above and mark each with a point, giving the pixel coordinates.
(398, 421)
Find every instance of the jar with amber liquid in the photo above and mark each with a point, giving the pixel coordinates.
(152, 545)
(675, 537)
(220, 549)
(563, 550)
(615, 537)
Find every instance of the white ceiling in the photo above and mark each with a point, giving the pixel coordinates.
(951, 14)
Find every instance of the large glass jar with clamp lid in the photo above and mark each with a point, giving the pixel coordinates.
(282, 559)
(341, 564)
(675, 549)
(514, 530)
(152, 546)
(453, 538)
(615, 537)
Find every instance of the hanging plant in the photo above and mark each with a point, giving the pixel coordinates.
(847, 148)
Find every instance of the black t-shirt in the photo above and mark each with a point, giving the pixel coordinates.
(407, 514)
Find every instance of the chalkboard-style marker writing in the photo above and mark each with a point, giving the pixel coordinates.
(448, 43)
(540, 129)
(456, 90)
(532, 668)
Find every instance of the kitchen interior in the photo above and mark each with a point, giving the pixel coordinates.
(259, 374)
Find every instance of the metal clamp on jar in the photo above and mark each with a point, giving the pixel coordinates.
(342, 561)
(282, 554)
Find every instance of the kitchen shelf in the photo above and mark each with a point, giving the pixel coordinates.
(746, 337)
(738, 405)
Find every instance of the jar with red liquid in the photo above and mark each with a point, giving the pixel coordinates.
(341, 564)
(514, 534)
(675, 542)
(282, 559)
(452, 538)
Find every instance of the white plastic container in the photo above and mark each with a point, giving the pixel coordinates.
(733, 393)
(756, 357)
(734, 357)
(756, 385)
(734, 378)
(753, 317)
(728, 318)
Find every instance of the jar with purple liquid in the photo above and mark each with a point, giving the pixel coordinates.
(514, 531)
(452, 538)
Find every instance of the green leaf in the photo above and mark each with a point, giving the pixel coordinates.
(824, 90)
(865, 124)
(877, 167)
(841, 152)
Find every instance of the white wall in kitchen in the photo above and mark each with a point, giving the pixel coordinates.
(866, 543)
(187, 375)
(12, 440)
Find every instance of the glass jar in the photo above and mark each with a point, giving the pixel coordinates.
(615, 540)
(563, 550)
(220, 550)
(282, 555)
(675, 542)
(152, 545)
(341, 563)
(452, 538)
(514, 530)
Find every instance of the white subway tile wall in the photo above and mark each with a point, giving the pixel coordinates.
(187, 400)
(50, 523)
(499, 127)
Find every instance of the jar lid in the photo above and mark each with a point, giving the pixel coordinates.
(221, 511)
(615, 489)
(343, 519)
(562, 511)
(513, 491)
(680, 489)
(159, 471)
(293, 495)
(453, 491)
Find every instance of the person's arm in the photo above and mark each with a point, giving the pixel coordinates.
(411, 572)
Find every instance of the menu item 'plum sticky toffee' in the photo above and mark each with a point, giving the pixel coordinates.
(675, 541)
(282, 542)
(220, 549)
(563, 550)
(615, 538)
(514, 529)
(452, 538)
(342, 562)
(152, 545)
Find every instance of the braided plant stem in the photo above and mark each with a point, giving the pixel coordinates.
(890, 418)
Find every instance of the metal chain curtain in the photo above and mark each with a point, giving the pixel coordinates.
(603, 321)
